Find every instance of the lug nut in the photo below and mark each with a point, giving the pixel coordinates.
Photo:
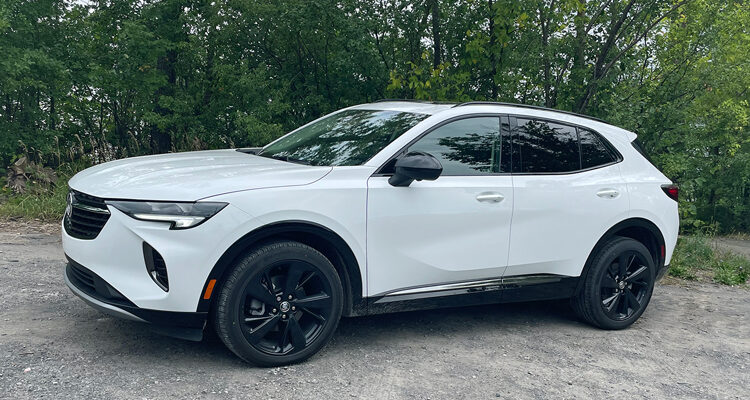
(273, 311)
(278, 298)
(290, 297)
(283, 316)
(294, 308)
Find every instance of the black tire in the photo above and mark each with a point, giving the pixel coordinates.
(255, 316)
(613, 296)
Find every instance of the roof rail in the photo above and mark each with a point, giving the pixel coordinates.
(497, 103)
(416, 101)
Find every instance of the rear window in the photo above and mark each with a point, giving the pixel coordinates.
(639, 147)
(593, 151)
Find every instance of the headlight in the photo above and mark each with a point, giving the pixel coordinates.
(179, 215)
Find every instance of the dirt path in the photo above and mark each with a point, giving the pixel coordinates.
(692, 342)
(734, 245)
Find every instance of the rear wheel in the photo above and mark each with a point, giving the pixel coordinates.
(280, 304)
(619, 285)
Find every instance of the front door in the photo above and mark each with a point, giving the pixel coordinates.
(455, 229)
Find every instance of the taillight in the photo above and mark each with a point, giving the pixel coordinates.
(671, 190)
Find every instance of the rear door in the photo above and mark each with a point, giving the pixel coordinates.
(567, 192)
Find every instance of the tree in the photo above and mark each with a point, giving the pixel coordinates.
(87, 82)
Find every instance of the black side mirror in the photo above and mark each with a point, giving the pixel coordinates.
(415, 165)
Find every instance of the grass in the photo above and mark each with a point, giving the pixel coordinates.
(39, 202)
(46, 205)
(696, 258)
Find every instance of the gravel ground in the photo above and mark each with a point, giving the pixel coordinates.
(692, 342)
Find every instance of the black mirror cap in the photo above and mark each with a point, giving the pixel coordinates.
(415, 165)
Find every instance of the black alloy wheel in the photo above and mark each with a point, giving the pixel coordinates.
(280, 304)
(624, 285)
(617, 286)
(285, 307)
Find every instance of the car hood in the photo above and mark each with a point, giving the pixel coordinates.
(190, 176)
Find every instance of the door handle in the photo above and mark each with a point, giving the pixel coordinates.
(490, 197)
(608, 193)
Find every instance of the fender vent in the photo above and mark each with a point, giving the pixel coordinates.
(156, 267)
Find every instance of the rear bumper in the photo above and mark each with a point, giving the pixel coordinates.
(98, 294)
(661, 272)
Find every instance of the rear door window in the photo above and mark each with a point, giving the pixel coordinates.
(545, 147)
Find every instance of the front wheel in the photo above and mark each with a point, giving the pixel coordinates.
(619, 285)
(280, 304)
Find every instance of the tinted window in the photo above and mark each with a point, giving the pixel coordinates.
(639, 147)
(542, 146)
(593, 151)
(469, 146)
(346, 138)
(505, 154)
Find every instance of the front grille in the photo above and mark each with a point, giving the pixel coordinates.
(84, 278)
(85, 215)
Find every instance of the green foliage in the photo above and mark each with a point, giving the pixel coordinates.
(682, 271)
(46, 205)
(44, 201)
(692, 253)
(695, 257)
(732, 269)
(93, 81)
(432, 84)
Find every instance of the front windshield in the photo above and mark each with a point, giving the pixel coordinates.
(346, 138)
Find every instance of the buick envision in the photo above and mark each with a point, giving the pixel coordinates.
(381, 207)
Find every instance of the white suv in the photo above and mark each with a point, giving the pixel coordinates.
(380, 207)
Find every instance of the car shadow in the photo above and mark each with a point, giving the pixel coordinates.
(365, 334)
(384, 329)
(466, 320)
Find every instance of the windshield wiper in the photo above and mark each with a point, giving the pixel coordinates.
(287, 159)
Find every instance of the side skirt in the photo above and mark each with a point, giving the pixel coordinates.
(489, 291)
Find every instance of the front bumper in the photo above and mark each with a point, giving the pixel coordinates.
(97, 293)
(117, 255)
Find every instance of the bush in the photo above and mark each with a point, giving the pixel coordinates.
(40, 200)
(47, 204)
(695, 257)
(692, 252)
(682, 271)
(732, 269)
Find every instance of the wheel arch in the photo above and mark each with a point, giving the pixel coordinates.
(639, 229)
(328, 242)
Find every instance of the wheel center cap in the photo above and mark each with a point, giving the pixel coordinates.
(621, 284)
(284, 306)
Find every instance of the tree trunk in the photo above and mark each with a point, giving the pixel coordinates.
(493, 55)
(578, 70)
(436, 34)
(161, 140)
(544, 22)
(52, 119)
